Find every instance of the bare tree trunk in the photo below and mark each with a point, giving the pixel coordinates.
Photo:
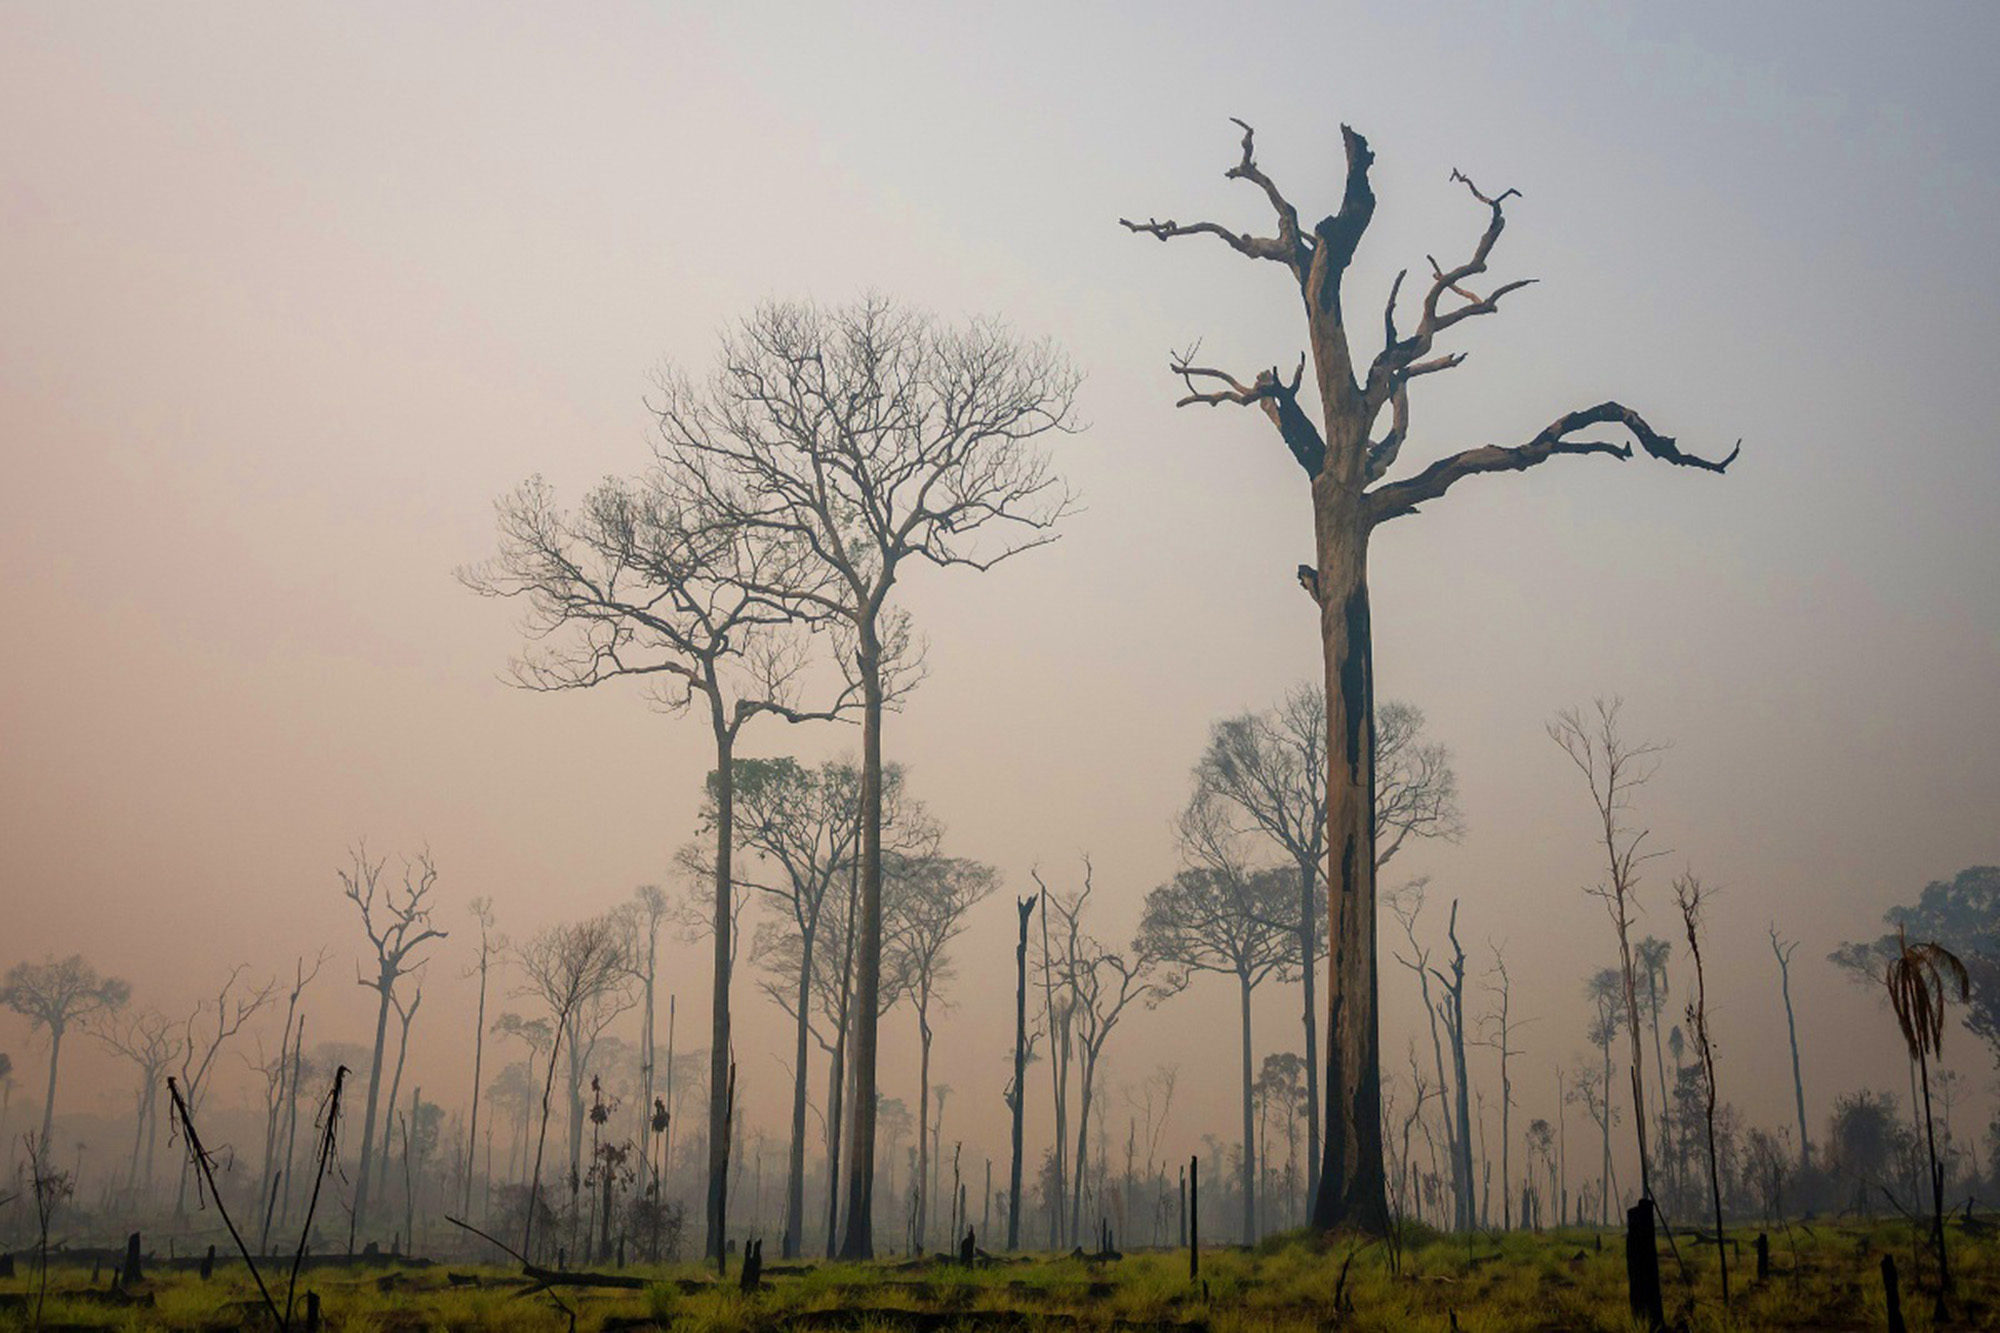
(859, 1240)
(1353, 1189)
(837, 1074)
(1784, 953)
(358, 1220)
(795, 1167)
(1308, 975)
(1249, 1126)
(718, 1055)
(478, 1064)
(49, 1101)
(922, 1183)
(1026, 907)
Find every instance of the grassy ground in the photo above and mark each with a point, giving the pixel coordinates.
(1531, 1283)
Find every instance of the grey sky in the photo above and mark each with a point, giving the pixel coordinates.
(290, 295)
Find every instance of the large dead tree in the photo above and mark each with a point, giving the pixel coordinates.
(1348, 464)
(875, 438)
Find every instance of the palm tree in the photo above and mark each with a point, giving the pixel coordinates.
(1917, 977)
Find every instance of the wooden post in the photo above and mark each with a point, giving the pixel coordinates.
(1642, 1266)
(1194, 1218)
(1763, 1257)
(312, 1312)
(131, 1275)
(1892, 1295)
(208, 1264)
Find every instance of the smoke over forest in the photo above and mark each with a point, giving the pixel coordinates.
(644, 641)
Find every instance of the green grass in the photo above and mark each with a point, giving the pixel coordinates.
(1516, 1283)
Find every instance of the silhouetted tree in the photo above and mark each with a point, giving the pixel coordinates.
(568, 967)
(938, 892)
(1100, 983)
(1782, 950)
(873, 436)
(490, 944)
(1963, 915)
(1347, 465)
(1920, 981)
(152, 1042)
(1214, 917)
(1613, 768)
(396, 927)
(53, 995)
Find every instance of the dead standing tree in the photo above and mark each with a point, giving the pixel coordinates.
(1348, 465)
(151, 1042)
(873, 436)
(1613, 768)
(1782, 950)
(649, 579)
(397, 927)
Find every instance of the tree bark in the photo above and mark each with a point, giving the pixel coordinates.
(1353, 1189)
(718, 1059)
(858, 1242)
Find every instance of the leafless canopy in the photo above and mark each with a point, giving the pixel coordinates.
(867, 433)
(1317, 257)
(641, 580)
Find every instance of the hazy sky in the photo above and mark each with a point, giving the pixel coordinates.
(289, 295)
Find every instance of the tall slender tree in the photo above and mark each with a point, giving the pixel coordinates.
(397, 927)
(490, 944)
(1348, 464)
(1212, 917)
(1782, 950)
(931, 912)
(649, 579)
(873, 437)
(55, 995)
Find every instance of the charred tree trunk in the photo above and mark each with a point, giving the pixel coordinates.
(1353, 1187)
(1026, 908)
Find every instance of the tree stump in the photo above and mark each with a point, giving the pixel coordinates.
(1892, 1294)
(1642, 1266)
(1763, 1257)
(131, 1276)
(208, 1264)
(1194, 1219)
